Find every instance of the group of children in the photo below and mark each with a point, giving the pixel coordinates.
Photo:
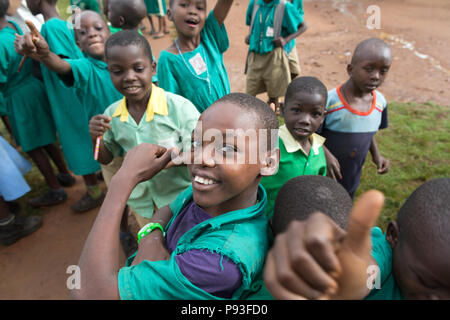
(207, 221)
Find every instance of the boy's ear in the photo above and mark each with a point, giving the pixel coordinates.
(169, 14)
(270, 164)
(349, 69)
(392, 234)
(154, 64)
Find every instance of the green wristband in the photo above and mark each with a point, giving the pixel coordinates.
(149, 228)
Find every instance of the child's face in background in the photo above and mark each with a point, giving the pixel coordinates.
(92, 34)
(131, 70)
(113, 17)
(220, 182)
(303, 114)
(188, 16)
(370, 71)
(420, 268)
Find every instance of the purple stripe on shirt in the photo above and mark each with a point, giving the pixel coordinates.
(202, 267)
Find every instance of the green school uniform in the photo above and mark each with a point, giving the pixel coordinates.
(23, 96)
(93, 83)
(199, 75)
(169, 122)
(294, 162)
(156, 7)
(240, 235)
(68, 113)
(382, 253)
(262, 35)
(86, 4)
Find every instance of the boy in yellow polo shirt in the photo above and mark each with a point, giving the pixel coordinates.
(146, 114)
(301, 150)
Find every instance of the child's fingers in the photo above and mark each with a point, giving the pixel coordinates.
(272, 283)
(361, 221)
(33, 30)
(296, 270)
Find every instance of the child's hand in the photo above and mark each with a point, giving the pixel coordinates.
(279, 42)
(315, 259)
(32, 44)
(333, 166)
(98, 125)
(382, 164)
(144, 161)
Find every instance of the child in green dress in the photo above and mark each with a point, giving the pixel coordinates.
(70, 119)
(193, 65)
(28, 110)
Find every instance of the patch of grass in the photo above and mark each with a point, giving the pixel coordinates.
(417, 144)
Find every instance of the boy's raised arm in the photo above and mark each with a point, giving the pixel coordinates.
(221, 10)
(99, 261)
(33, 45)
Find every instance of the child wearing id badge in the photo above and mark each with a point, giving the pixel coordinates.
(193, 65)
(273, 24)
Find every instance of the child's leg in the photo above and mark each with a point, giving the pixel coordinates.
(152, 31)
(56, 194)
(93, 197)
(8, 126)
(160, 33)
(164, 21)
(56, 155)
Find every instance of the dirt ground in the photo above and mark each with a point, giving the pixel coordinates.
(418, 31)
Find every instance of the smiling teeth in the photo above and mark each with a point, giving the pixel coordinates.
(203, 180)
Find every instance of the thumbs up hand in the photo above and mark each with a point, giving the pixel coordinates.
(315, 259)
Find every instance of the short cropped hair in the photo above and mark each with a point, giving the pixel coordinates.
(303, 195)
(425, 215)
(4, 5)
(268, 118)
(133, 11)
(310, 85)
(127, 38)
(368, 44)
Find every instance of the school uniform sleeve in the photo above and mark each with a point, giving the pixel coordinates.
(165, 74)
(291, 19)
(215, 34)
(381, 102)
(248, 17)
(81, 71)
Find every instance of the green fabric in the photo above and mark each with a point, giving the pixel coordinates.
(156, 7)
(95, 88)
(382, 253)
(178, 76)
(292, 165)
(240, 235)
(260, 41)
(86, 5)
(23, 96)
(68, 113)
(168, 131)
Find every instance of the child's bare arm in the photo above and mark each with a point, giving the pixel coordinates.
(100, 258)
(381, 162)
(281, 41)
(221, 10)
(34, 45)
(315, 259)
(333, 166)
(151, 247)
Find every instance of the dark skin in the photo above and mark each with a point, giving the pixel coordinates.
(316, 259)
(189, 18)
(131, 71)
(116, 13)
(234, 187)
(303, 114)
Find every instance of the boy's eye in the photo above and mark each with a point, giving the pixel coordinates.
(116, 71)
(196, 144)
(226, 149)
(368, 69)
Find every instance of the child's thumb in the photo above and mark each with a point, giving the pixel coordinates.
(361, 221)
